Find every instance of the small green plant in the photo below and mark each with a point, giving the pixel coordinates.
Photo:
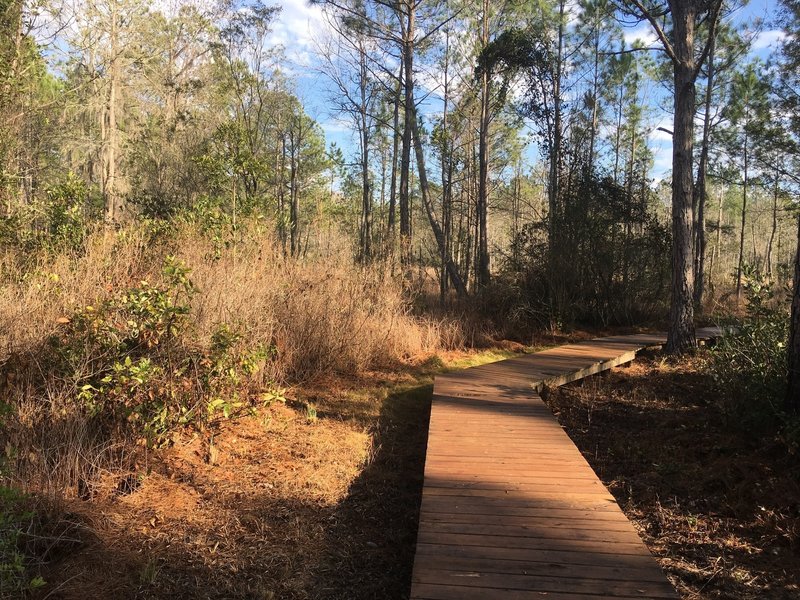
(273, 394)
(149, 573)
(15, 521)
(226, 368)
(59, 221)
(311, 413)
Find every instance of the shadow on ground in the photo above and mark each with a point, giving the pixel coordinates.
(370, 549)
(222, 539)
(716, 503)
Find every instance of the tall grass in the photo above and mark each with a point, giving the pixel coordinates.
(323, 314)
(83, 378)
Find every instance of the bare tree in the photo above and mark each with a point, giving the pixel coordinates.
(355, 95)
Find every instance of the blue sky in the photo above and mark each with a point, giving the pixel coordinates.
(300, 24)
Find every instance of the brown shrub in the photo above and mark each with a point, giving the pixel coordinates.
(316, 315)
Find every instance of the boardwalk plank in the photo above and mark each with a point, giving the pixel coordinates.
(531, 568)
(510, 507)
(544, 521)
(575, 560)
(445, 592)
(542, 583)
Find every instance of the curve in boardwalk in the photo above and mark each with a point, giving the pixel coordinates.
(510, 508)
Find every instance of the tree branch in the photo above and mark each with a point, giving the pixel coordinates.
(657, 28)
(712, 32)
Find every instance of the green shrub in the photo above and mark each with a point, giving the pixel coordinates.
(749, 361)
(15, 523)
(66, 215)
(130, 363)
(58, 222)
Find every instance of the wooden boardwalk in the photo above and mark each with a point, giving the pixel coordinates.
(510, 508)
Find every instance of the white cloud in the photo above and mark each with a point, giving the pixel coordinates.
(768, 40)
(336, 125)
(295, 28)
(662, 161)
(643, 35)
(659, 135)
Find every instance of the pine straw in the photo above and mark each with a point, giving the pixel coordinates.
(720, 509)
(277, 506)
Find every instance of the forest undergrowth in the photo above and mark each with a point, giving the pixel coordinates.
(148, 366)
(714, 497)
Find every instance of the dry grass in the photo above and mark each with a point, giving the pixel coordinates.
(37, 291)
(322, 318)
(325, 315)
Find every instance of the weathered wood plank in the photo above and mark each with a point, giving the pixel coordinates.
(543, 521)
(573, 559)
(542, 583)
(510, 508)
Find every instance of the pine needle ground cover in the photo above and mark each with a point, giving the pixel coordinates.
(715, 503)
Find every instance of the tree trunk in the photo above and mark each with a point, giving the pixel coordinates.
(455, 277)
(681, 333)
(595, 89)
(366, 192)
(792, 401)
(395, 153)
(626, 242)
(405, 159)
(715, 255)
(483, 274)
(294, 207)
(700, 188)
(771, 241)
(556, 149)
(618, 141)
(556, 249)
(740, 264)
(447, 172)
(11, 109)
(282, 192)
(111, 137)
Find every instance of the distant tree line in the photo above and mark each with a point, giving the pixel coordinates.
(504, 146)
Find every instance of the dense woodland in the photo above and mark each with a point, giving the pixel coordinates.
(488, 141)
(505, 141)
(179, 242)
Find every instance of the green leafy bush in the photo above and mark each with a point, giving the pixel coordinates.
(749, 361)
(60, 221)
(65, 211)
(130, 363)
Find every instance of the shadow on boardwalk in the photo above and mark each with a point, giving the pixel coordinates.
(371, 547)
